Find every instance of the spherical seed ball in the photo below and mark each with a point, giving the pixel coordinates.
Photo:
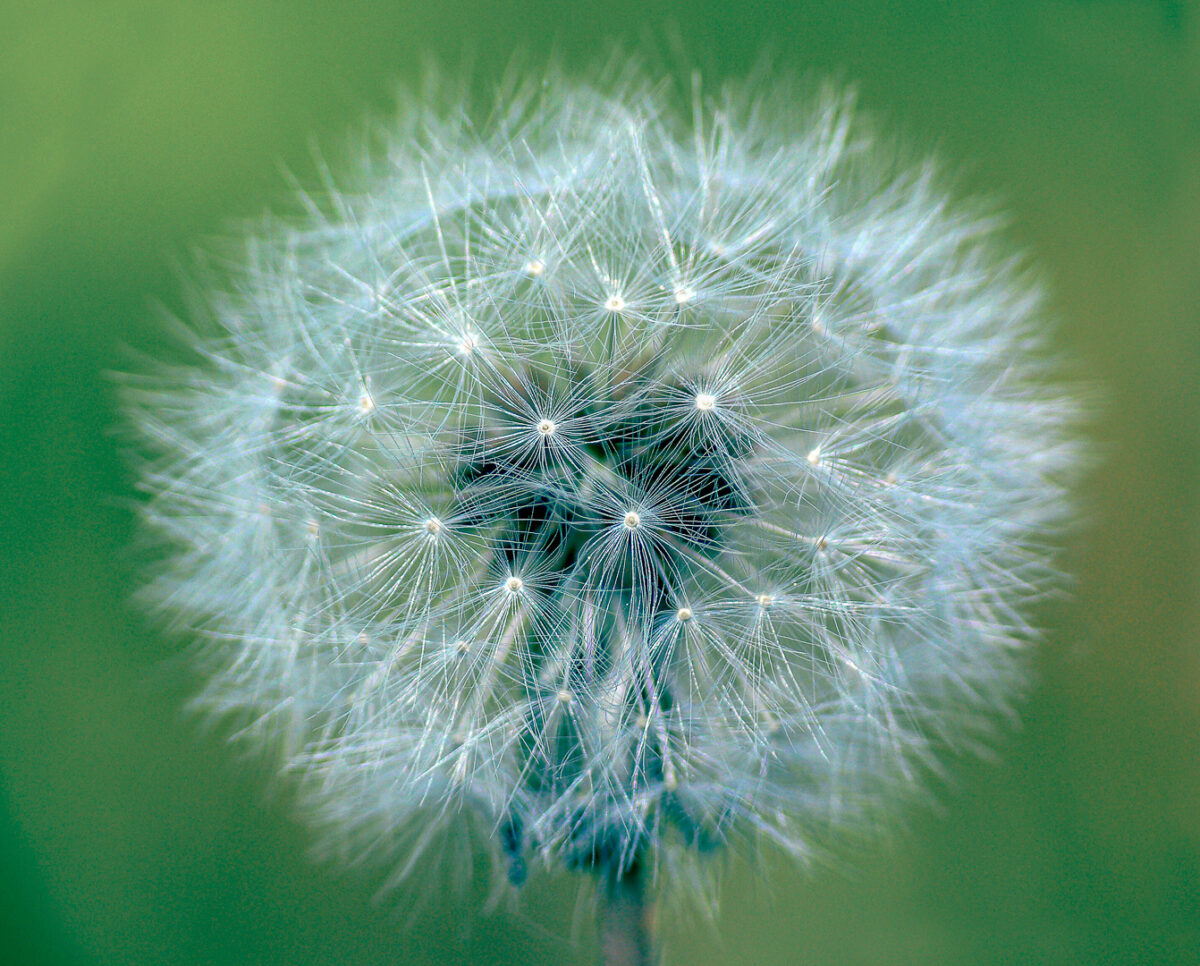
(397, 495)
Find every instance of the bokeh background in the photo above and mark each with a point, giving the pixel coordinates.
(131, 129)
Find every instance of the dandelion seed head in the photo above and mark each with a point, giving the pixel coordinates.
(434, 522)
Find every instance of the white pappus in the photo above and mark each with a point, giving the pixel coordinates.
(618, 479)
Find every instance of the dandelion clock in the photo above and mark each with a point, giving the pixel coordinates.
(615, 480)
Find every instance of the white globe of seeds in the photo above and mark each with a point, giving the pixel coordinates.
(616, 482)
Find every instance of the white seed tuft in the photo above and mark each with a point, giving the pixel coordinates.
(621, 453)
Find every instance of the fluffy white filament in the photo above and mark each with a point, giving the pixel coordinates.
(345, 485)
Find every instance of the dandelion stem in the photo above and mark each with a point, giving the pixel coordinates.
(626, 920)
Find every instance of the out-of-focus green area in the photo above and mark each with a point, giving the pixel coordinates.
(131, 129)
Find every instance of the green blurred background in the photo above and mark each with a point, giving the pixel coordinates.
(130, 129)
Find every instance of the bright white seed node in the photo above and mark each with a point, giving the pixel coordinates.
(547, 427)
(565, 697)
(514, 585)
(706, 402)
(467, 344)
(535, 267)
(614, 303)
(814, 456)
(764, 600)
(683, 295)
(366, 405)
(683, 615)
(434, 526)
(632, 520)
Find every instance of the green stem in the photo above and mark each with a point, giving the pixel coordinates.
(626, 920)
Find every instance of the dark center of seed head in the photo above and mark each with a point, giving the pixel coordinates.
(638, 448)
